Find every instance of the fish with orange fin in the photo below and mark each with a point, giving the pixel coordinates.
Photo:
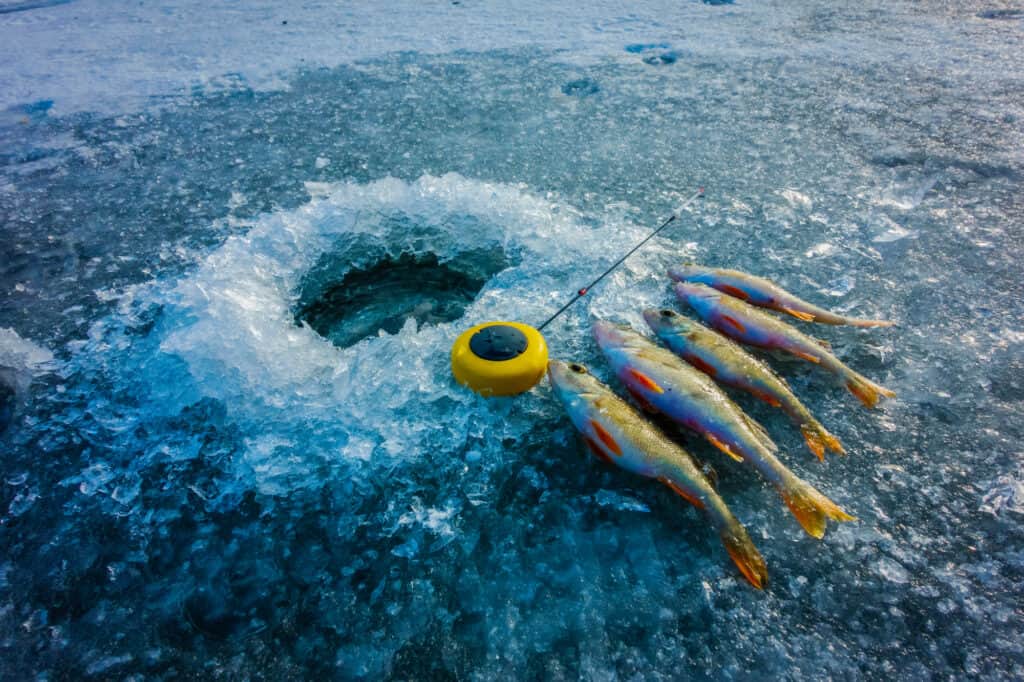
(728, 363)
(616, 433)
(765, 294)
(751, 326)
(691, 398)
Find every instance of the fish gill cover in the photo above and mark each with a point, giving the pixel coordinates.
(206, 474)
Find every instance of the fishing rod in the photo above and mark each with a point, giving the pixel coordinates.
(580, 293)
(508, 358)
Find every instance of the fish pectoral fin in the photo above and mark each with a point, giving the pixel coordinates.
(703, 366)
(723, 447)
(806, 356)
(643, 402)
(798, 314)
(606, 438)
(734, 291)
(735, 324)
(596, 450)
(824, 343)
(645, 381)
(767, 397)
(681, 493)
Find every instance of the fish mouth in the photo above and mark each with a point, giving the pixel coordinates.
(684, 270)
(565, 374)
(692, 291)
(609, 332)
(659, 318)
(557, 370)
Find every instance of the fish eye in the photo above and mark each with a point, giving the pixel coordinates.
(579, 369)
(668, 313)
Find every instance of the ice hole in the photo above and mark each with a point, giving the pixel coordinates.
(347, 304)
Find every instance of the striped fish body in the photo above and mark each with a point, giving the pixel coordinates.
(729, 364)
(661, 381)
(764, 293)
(617, 434)
(753, 327)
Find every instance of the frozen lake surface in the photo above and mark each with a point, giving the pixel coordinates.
(238, 241)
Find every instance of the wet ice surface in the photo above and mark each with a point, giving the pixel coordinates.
(200, 485)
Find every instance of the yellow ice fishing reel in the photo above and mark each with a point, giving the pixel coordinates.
(500, 358)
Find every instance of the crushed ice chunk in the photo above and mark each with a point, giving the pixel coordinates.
(892, 571)
(840, 286)
(105, 664)
(822, 249)
(94, 477)
(1005, 494)
(619, 502)
(437, 521)
(22, 355)
(22, 502)
(797, 199)
(885, 229)
(407, 550)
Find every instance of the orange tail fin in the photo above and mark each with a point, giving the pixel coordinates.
(818, 439)
(746, 557)
(867, 391)
(832, 443)
(811, 508)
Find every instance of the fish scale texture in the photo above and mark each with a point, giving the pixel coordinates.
(196, 484)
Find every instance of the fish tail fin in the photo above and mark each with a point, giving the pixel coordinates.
(818, 440)
(832, 443)
(744, 554)
(854, 322)
(867, 391)
(811, 508)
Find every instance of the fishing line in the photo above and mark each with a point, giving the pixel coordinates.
(580, 293)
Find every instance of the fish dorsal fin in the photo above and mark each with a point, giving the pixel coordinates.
(661, 357)
(760, 432)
